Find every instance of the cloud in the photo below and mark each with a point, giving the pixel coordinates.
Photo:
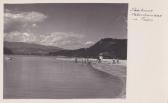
(31, 17)
(62, 39)
(89, 43)
(59, 39)
(20, 37)
(34, 25)
(16, 21)
(19, 25)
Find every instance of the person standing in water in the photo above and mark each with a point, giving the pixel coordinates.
(101, 58)
(76, 59)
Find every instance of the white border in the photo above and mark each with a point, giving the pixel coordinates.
(146, 55)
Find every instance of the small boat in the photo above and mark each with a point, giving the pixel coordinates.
(8, 58)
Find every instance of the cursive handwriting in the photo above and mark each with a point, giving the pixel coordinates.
(141, 14)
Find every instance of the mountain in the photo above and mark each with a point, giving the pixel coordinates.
(111, 48)
(108, 47)
(21, 48)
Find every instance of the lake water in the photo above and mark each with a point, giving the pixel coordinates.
(35, 77)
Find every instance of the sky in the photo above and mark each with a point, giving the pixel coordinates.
(68, 26)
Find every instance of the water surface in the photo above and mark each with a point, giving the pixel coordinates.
(33, 77)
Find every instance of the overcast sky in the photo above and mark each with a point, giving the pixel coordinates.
(68, 26)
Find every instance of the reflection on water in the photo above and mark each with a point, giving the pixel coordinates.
(48, 78)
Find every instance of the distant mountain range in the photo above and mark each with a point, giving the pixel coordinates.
(108, 47)
(21, 48)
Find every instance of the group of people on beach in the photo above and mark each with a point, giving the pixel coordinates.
(99, 59)
(114, 61)
(84, 60)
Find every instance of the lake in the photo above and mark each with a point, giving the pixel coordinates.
(42, 77)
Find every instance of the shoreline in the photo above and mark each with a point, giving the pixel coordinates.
(104, 69)
(106, 66)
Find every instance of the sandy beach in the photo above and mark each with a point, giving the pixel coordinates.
(107, 66)
(115, 70)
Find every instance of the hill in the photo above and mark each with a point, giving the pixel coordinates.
(108, 47)
(21, 48)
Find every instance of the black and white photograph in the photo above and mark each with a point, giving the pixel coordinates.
(65, 51)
